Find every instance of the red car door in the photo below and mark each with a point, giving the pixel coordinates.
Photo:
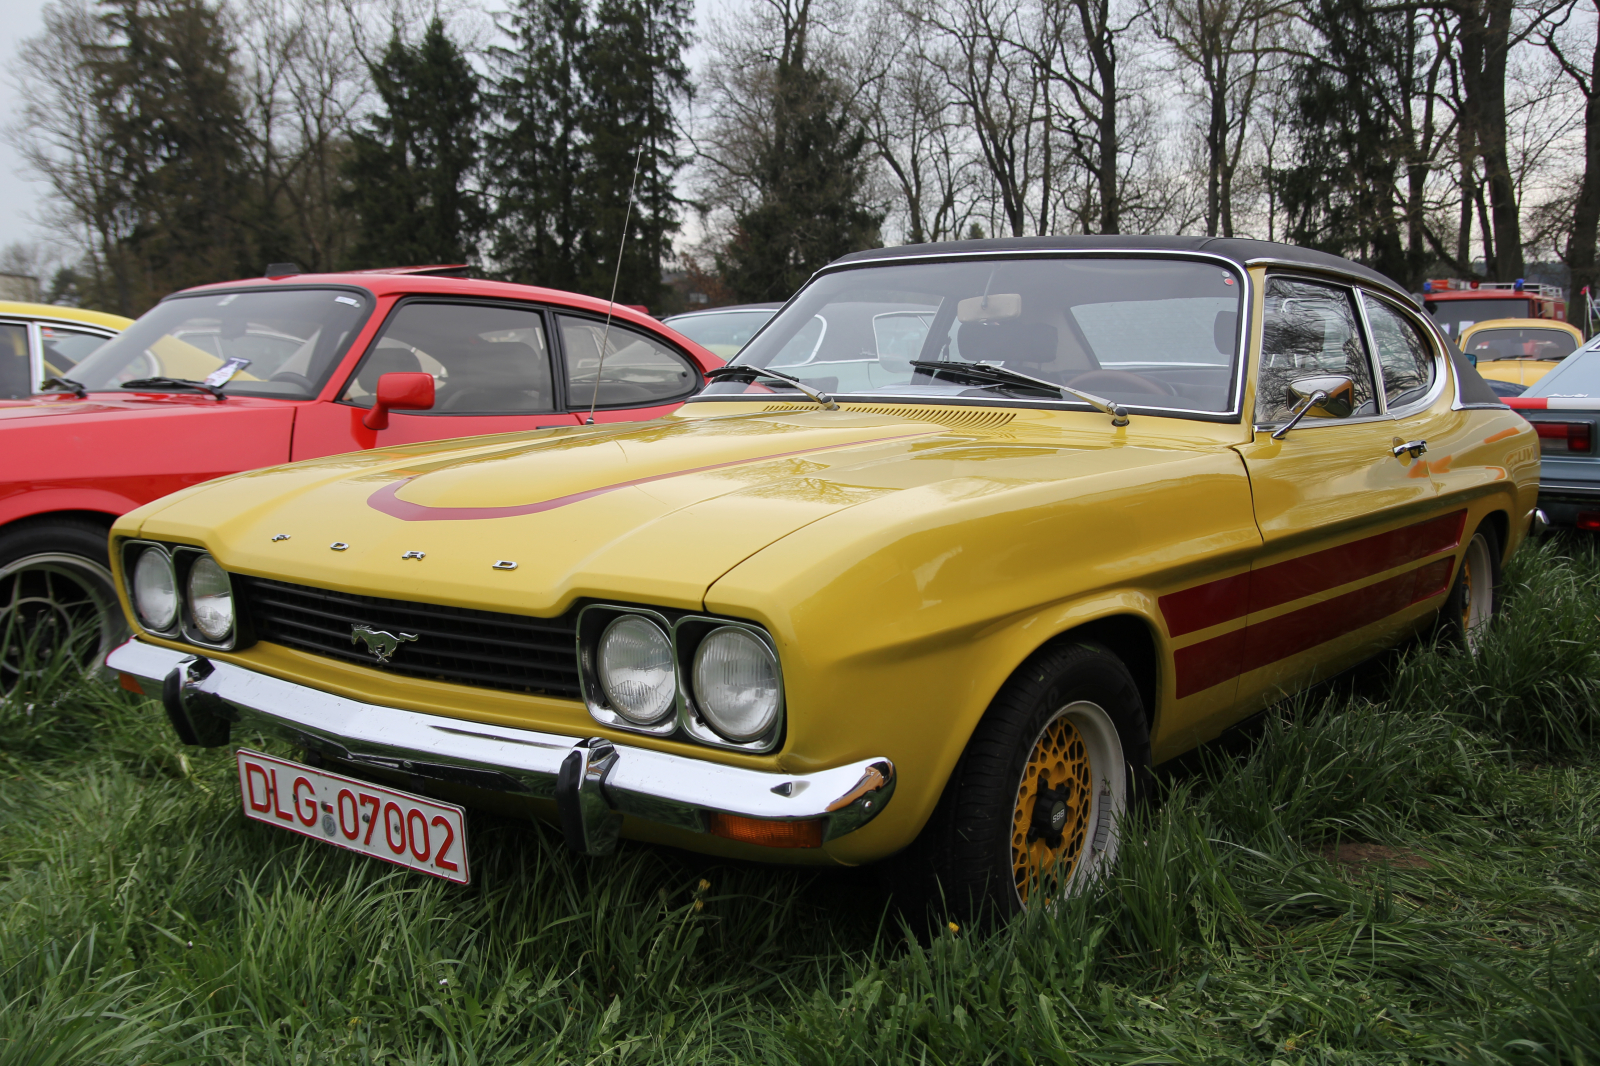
(492, 367)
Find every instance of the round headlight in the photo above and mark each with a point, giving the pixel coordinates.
(736, 683)
(155, 590)
(210, 599)
(635, 669)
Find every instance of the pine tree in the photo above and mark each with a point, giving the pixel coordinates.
(1345, 196)
(176, 134)
(581, 98)
(410, 169)
(811, 180)
(633, 73)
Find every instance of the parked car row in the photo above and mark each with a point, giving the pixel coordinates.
(962, 541)
(237, 376)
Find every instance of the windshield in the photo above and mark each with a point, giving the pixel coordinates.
(1578, 377)
(292, 339)
(724, 332)
(1152, 333)
(1453, 316)
(1487, 345)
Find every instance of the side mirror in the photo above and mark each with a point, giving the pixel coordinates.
(399, 392)
(1338, 397)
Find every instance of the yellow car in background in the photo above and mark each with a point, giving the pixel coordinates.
(965, 540)
(39, 342)
(1519, 350)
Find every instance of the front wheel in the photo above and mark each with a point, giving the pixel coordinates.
(58, 607)
(1033, 809)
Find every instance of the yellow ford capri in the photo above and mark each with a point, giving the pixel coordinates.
(965, 540)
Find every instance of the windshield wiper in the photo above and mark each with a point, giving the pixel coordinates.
(732, 370)
(176, 383)
(58, 384)
(990, 374)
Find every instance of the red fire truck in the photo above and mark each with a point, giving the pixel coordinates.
(1456, 304)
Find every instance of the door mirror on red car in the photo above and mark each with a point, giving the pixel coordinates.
(399, 391)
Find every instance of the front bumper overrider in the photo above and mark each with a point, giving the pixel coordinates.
(593, 781)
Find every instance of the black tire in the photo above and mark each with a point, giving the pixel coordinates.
(1474, 597)
(983, 852)
(56, 598)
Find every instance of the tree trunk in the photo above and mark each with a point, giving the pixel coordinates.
(1485, 44)
(1586, 212)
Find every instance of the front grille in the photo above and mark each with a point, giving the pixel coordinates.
(455, 644)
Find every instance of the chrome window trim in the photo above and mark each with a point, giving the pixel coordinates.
(131, 551)
(690, 717)
(1241, 372)
(1381, 416)
(589, 689)
(1436, 389)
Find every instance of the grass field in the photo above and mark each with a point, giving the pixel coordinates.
(1401, 869)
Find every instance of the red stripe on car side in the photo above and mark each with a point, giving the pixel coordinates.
(1233, 597)
(387, 499)
(1211, 662)
(1207, 605)
(1320, 571)
(1298, 631)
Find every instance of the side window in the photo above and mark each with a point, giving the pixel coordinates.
(66, 348)
(1403, 352)
(638, 370)
(1309, 329)
(16, 376)
(485, 359)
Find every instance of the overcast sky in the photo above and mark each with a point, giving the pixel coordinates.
(19, 196)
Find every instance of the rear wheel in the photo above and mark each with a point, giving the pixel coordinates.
(58, 606)
(1032, 811)
(1473, 598)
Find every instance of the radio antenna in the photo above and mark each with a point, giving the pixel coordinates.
(627, 217)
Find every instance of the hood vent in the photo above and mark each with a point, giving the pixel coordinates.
(970, 418)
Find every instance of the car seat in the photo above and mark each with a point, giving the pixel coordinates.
(486, 376)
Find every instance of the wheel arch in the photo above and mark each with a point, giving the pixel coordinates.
(1131, 638)
(99, 518)
(1500, 522)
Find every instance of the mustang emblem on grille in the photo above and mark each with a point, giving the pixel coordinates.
(378, 642)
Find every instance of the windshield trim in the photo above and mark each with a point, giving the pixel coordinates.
(1242, 352)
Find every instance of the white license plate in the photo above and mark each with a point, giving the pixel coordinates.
(423, 834)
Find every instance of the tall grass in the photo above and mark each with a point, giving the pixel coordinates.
(143, 920)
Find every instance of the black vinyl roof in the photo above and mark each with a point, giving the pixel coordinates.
(1240, 251)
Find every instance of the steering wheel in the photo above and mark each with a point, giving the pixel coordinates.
(292, 378)
(1121, 381)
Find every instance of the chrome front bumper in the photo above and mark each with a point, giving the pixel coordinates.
(593, 781)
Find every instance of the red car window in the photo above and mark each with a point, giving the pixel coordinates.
(485, 358)
(638, 370)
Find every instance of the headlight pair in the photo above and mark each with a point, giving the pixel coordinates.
(177, 588)
(712, 678)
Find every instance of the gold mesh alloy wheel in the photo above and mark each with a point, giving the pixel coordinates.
(1051, 819)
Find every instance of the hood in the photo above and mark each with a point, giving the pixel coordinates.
(653, 512)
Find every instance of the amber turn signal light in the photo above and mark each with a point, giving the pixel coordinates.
(131, 683)
(806, 834)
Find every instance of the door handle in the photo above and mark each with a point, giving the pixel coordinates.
(1412, 448)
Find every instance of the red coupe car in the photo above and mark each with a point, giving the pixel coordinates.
(234, 376)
